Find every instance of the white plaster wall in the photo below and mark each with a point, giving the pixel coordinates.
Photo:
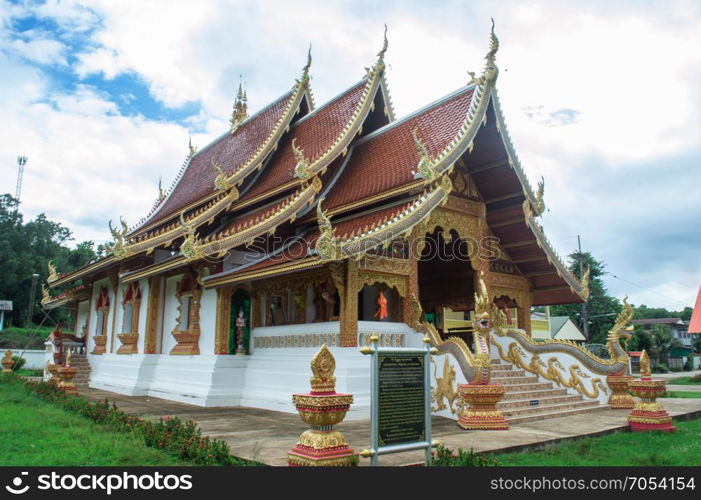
(143, 312)
(208, 314)
(35, 358)
(170, 313)
(310, 309)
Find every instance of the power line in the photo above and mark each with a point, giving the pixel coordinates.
(649, 290)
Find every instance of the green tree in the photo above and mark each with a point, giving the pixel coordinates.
(602, 308)
(25, 249)
(697, 343)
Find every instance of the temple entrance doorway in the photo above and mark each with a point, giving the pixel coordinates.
(240, 324)
(446, 284)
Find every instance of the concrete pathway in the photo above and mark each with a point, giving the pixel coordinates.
(266, 436)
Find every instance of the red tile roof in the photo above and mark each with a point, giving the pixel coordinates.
(315, 133)
(230, 150)
(387, 158)
(363, 223)
(695, 323)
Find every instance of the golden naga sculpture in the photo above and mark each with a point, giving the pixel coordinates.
(161, 193)
(45, 297)
(539, 197)
(191, 151)
(53, 274)
(490, 72)
(118, 246)
(584, 282)
(304, 80)
(425, 166)
(240, 111)
(327, 244)
(301, 163)
(189, 248)
(221, 181)
(621, 328)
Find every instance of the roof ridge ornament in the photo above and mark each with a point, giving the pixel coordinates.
(240, 112)
(304, 80)
(584, 282)
(490, 71)
(53, 274)
(302, 164)
(221, 181)
(189, 247)
(380, 64)
(327, 243)
(425, 166)
(539, 198)
(161, 193)
(118, 247)
(191, 149)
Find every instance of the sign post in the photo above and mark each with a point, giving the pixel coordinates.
(5, 305)
(400, 400)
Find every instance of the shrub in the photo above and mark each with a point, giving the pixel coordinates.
(18, 363)
(695, 378)
(181, 439)
(689, 363)
(445, 457)
(660, 369)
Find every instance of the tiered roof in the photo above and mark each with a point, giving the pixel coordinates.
(371, 180)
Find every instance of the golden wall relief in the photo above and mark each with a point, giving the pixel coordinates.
(152, 314)
(223, 320)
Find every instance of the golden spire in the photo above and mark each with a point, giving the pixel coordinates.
(385, 44)
(161, 193)
(240, 112)
(45, 297)
(191, 149)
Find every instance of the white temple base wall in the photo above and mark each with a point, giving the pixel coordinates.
(265, 379)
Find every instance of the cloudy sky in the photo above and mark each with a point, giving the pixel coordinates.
(602, 99)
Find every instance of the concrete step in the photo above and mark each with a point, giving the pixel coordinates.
(546, 409)
(513, 404)
(518, 379)
(536, 394)
(508, 373)
(556, 413)
(531, 386)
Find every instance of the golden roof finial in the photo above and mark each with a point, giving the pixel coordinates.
(645, 365)
(326, 244)
(539, 197)
(53, 274)
(301, 165)
(45, 297)
(584, 281)
(323, 368)
(490, 71)
(385, 44)
(309, 60)
(220, 181)
(425, 165)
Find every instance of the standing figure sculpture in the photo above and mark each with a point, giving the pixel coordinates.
(240, 327)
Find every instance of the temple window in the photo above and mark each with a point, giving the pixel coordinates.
(379, 303)
(102, 309)
(131, 302)
(185, 295)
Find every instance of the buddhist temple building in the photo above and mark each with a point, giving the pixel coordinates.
(307, 223)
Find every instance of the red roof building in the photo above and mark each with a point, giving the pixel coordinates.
(695, 323)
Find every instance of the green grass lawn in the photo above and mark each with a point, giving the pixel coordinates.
(655, 448)
(39, 433)
(25, 372)
(682, 394)
(683, 381)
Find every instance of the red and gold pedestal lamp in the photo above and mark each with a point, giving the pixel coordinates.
(67, 373)
(620, 398)
(648, 414)
(321, 409)
(7, 362)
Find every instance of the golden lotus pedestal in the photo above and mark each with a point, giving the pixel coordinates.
(321, 445)
(321, 409)
(187, 343)
(648, 414)
(620, 398)
(481, 411)
(66, 374)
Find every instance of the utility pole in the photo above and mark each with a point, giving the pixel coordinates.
(21, 162)
(585, 315)
(32, 295)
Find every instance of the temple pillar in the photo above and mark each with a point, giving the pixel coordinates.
(409, 305)
(349, 305)
(114, 281)
(152, 314)
(223, 320)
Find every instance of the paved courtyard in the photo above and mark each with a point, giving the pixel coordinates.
(266, 436)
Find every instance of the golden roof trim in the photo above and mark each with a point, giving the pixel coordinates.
(287, 267)
(79, 273)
